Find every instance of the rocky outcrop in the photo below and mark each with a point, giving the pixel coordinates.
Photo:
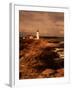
(39, 60)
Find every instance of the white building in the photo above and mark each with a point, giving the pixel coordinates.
(37, 34)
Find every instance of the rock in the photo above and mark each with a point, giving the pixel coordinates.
(46, 73)
(61, 71)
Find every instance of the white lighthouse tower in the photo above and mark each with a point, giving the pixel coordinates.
(37, 34)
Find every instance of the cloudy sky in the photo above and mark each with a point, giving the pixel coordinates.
(48, 23)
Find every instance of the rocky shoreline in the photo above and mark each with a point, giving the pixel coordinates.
(41, 59)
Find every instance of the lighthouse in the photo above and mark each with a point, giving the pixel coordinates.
(37, 34)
